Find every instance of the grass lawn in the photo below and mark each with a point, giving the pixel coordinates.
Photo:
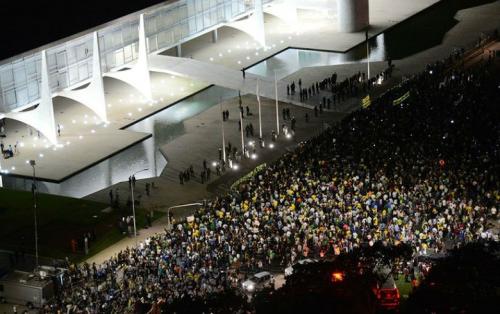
(403, 286)
(404, 290)
(60, 219)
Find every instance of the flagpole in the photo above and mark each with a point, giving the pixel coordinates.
(277, 112)
(223, 137)
(367, 54)
(260, 117)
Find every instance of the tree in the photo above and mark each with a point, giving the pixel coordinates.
(344, 285)
(466, 281)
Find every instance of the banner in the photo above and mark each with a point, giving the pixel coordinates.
(401, 99)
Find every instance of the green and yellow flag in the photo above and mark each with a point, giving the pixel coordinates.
(366, 102)
(401, 99)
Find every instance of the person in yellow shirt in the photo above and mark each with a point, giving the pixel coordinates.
(196, 233)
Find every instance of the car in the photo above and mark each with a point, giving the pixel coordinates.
(258, 282)
(388, 294)
(289, 269)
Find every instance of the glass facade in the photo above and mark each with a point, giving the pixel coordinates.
(70, 63)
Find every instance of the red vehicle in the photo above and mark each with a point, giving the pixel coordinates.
(388, 294)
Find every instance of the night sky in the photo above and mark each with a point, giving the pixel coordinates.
(26, 25)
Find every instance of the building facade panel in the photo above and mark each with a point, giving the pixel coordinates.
(70, 63)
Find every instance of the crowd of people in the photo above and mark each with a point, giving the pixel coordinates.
(422, 172)
(334, 92)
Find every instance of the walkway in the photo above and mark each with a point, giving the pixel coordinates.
(216, 74)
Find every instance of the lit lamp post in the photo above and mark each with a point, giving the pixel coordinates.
(1, 180)
(241, 124)
(260, 117)
(33, 190)
(241, 131)
(133, 201)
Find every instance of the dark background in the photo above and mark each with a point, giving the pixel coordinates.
(26, 25)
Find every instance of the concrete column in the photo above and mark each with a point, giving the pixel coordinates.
(258, 17)
(142, 65)
(42, 117)
(178, 51)
(353, 15)
(46, 107)
(93, 95)
(285, 10)
(215, 35)
(99, 96)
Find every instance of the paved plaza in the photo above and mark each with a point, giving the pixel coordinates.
(84, 139)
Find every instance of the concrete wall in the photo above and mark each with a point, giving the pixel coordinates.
(353, 15)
